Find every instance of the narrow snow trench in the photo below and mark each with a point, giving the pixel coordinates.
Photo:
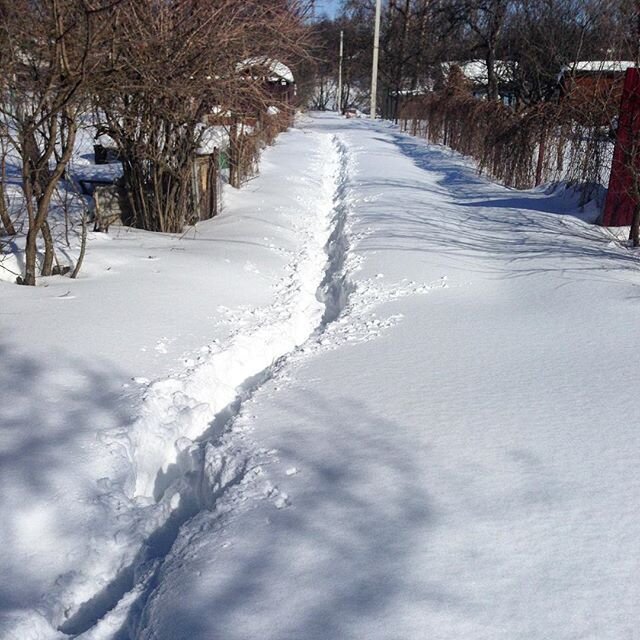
(210, 464)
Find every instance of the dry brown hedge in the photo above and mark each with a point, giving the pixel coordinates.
(565, 139)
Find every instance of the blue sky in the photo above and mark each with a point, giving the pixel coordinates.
(327, 6)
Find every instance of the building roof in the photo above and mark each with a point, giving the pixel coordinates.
(276, 70)
(476, 70)
(598, 66)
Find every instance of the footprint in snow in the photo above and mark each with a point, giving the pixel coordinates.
(249, 267)
(282, 501)
(279, 498)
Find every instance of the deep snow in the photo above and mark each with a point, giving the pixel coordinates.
(434, 435)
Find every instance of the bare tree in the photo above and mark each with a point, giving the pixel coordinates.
(46, 49)
(5, 218)
(175, 62)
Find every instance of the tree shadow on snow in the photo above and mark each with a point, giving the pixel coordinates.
(50, 413)
(500, 230)
(360, 519)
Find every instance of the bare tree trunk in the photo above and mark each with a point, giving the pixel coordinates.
(541, 153)
(492, 83)
(496, 12)
(30, 256)
(234, 155)
(4, 213)
(39, 223)
(49, 251)
(83, 246)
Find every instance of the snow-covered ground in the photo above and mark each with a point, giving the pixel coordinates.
(379, 397)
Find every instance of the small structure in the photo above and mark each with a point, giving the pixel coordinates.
(109, 201)
(475, 71)
(245, 130)
(105, 149)
(277, 77)
(589, 80)
(207, 185)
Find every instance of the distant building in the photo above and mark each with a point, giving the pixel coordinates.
(276, 75)
(589, 80)
(475, 71)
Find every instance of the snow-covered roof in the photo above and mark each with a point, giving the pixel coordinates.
(476, 70)
(106, 141)
(420, 90)
(599, 66)
(276, 69)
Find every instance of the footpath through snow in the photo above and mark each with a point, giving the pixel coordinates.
(93, 507)
(415, 431)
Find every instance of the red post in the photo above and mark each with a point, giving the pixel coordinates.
(621, 202)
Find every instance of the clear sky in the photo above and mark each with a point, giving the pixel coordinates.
(327, 6)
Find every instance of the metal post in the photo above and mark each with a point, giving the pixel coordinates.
(374, 70)
(340, 72)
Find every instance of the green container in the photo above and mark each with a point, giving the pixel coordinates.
(223, 159)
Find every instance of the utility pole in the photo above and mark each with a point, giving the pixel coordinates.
(374, 70)
(340, 72)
